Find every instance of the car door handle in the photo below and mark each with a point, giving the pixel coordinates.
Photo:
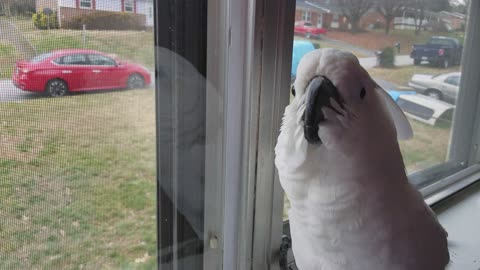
(66, 71)
(96, 71)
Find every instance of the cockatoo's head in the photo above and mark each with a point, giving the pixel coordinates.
(339, 104)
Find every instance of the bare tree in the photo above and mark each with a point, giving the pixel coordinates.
(389, 9)
(7, 7)
(418, 10)
(353, 10)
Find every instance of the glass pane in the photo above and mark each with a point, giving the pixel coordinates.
(410, 57)
(184, 176)
(78, 169)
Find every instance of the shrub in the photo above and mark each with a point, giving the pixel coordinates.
(387, 57)
(42, 21)
(107, 21)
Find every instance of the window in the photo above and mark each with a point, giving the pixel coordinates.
(78, 161)
(443, 155)
(74, 59)
(307, 16)
(453, 80)
(86, 3)
(129, 5)
(100, 60)
(41, 57)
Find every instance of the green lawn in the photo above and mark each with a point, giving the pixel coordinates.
(402, 75)
(326, 44)
(77, 182)
(135, 46)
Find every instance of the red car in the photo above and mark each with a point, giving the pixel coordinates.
(308, 30)
(58, 72)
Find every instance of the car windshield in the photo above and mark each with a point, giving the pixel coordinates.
(441, 41)
(308, 24)
(41, 57)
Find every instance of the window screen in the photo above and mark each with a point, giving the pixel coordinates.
(77, 146)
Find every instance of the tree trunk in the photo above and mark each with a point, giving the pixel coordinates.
(354, 22)
(388, 21)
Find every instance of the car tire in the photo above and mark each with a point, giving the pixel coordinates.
(56, 88)
(417, 62)
(135, 81)
(308, 35)
(434, 93)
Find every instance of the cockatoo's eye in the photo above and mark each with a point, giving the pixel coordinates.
(292, 89)
(363, 93)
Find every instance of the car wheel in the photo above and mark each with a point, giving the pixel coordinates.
(417, 62)
(308, 35)
(446, 63)
(135, 81)
(56, 88)
(434, 93)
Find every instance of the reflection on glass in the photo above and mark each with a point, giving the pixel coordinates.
(416, 60)
(77, 172)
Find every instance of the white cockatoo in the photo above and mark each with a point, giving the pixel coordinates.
(339, 162)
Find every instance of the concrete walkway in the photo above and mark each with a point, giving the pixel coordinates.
(400, 61)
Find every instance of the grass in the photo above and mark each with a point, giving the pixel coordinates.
(326, 44)
(402, 75)
(135, 46)
(77, 182)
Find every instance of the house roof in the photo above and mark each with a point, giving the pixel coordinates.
(453, 14)
(310, 5)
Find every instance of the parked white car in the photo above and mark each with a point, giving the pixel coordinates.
(426, 109)
(442, 87)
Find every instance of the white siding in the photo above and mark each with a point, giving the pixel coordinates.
(146, 7)
(68, 3)
(109, 5)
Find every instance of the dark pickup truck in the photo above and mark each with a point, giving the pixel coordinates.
(441, 51)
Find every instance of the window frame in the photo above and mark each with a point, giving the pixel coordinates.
(85, 1)
(435, 183)
(130, 4)
(307, 16)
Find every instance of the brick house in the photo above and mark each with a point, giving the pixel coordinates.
(68, 9)
(453, 20)
(327, 14)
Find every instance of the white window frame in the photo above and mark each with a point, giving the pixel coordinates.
(248, 72)
(266, 71)
(130, 4)
(307, 16)
(90, 2)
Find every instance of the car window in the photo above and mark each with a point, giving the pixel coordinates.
(308, 24)
(454, 80)
(41, 57)
(442, 42)
(74, 59)
(100, 60)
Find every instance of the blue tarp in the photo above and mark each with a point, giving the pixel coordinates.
(395, 94)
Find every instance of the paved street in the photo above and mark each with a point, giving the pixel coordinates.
(400, 60)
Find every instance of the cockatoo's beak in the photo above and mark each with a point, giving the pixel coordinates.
(318, 94)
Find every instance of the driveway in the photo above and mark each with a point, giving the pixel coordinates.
(400, 60)
(8, 92)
